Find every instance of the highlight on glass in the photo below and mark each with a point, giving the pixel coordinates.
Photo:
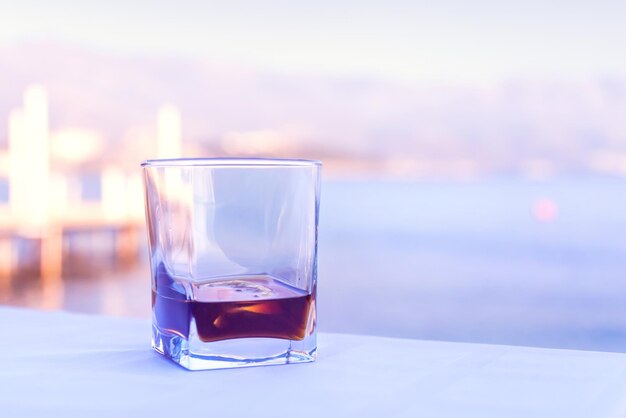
(233, 253)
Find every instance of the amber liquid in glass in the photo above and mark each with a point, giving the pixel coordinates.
(258, 306)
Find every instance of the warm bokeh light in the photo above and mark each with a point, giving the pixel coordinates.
(74, 145)
(114, 203)
(255, 143)
(169, 132)
(29, 158)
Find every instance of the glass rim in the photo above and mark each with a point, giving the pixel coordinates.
(230, 162)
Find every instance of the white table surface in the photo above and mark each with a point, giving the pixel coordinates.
(67, 365)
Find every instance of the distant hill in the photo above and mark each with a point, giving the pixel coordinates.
(571, 125)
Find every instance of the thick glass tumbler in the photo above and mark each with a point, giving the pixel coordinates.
(233, 254)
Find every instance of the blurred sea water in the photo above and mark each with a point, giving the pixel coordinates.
(486, 261)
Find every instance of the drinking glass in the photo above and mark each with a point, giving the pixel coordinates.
(233, 257)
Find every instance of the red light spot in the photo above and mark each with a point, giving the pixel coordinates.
(545, 210)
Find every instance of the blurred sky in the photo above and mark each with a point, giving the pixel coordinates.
(448, 40)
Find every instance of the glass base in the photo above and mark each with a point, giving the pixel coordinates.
(194, 354)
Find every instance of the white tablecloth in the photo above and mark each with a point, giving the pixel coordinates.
(67, 365)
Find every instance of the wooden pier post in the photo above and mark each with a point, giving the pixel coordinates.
(51, 269)
(7, 262)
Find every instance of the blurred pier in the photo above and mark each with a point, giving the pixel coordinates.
(54, 219)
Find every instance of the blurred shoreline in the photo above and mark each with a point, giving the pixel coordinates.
(498, 261)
